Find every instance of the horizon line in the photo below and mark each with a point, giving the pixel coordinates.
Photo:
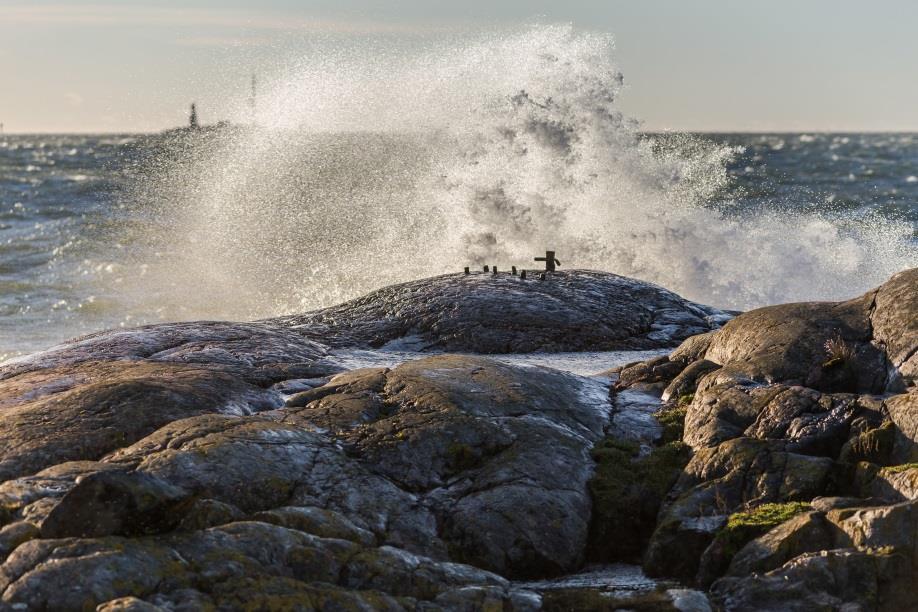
(645, 131)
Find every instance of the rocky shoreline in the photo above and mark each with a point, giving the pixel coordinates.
(767, 464)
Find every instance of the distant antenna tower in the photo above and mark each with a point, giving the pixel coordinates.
(193, 118)
(253, 100)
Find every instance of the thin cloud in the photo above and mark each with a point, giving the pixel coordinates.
(109, 15)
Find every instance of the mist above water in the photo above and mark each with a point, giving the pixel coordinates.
(375, 164)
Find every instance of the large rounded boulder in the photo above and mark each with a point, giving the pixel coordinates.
(575, 310)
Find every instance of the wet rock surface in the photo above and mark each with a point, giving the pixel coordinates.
(246, 466)
(574, 310)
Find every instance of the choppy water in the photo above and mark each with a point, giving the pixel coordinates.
(367, 172)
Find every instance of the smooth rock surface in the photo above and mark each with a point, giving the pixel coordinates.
(786, 343)
(497, 452)
(574, 310)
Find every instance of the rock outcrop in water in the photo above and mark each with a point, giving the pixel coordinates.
(218, 465)
(481, 313)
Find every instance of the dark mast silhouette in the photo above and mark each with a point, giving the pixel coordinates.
(193, 119)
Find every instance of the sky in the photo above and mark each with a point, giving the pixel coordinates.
(702, 65)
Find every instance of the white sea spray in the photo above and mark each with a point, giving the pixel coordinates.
(383, 163)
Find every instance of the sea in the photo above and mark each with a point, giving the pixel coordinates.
(362, 171)
(71, 260)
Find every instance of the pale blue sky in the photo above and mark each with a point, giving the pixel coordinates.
(702, 65)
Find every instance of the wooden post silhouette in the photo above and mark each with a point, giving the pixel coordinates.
(549, 260)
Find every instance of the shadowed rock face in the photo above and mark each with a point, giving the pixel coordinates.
(840, 558)
(895, 323)
(776, 416)
(576, 310)
(718, 482)
(244, 564)
(116, 503)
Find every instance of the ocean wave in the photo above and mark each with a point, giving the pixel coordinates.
(486, 149)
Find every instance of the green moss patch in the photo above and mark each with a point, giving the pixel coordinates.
(574, 600)
(743, 527)
(627, 491)
(672, 418)
(896, 469)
